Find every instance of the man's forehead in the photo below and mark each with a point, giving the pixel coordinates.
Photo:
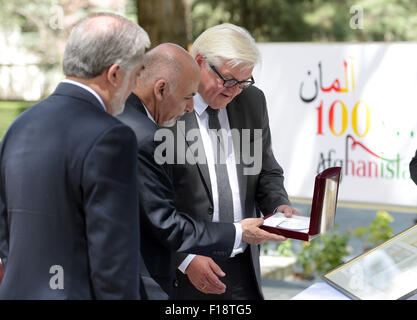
(240, 72)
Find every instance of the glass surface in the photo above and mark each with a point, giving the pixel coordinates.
(329, 205)
(387, 272)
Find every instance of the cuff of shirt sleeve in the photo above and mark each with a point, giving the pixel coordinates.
(238, 237)
(184, 265)
(238, 246)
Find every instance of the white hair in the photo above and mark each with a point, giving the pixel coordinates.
(227, 43)
(102, 40)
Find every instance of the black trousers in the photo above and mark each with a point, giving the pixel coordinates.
(240, 281)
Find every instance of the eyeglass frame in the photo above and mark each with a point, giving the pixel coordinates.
(235, 81)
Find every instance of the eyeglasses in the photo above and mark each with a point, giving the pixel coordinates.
(228, 83)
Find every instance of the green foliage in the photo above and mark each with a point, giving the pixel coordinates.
(44, 25)
(284, 249)
(305, 257)
(327, 252)
(311, 20)
(281, 249)
(378, 231)
(323, 254)
(267, 20)
(9, 110)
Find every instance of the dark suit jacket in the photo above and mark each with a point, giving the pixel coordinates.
(68, 202)
(263, 191)
(165, 230)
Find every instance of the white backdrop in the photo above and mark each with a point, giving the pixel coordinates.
(352, 105)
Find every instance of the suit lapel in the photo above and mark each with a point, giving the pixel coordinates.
(191, 123)
(136, 103)
(236, 122)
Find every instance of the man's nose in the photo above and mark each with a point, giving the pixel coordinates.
(235, 90)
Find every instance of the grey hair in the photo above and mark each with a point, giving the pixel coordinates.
(95, 44)
(227, 43)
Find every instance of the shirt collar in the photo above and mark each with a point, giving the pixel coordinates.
(82, 85)
(199, 104)
(149, 114)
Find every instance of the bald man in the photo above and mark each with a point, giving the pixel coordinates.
(164, 92)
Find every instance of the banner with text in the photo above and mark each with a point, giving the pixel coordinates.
(348, 105)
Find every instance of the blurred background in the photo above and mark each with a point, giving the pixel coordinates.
(33, 34)
(32, 41)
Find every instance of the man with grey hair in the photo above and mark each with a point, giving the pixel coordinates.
(165, 91)
(69, 222)
(227, 191)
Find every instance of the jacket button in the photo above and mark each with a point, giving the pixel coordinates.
(210, 210)
(176, 283)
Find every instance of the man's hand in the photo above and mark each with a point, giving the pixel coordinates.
(287, 210)
(252, 234)
(204, 274)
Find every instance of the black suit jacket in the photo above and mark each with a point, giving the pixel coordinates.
(69, 223)
(165, 230)
(259, 192)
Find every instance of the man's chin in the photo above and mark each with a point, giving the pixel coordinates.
(221, 103)
(169, 123)
(219, 106)
(118, 111)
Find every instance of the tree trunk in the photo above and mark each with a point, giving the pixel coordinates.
(166, 20)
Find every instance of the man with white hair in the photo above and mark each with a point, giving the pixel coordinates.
(164, 92)
(69, 222)
(227, 188)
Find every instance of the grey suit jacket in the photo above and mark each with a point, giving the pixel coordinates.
(260, 192)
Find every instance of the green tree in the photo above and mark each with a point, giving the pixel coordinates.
(312, 20)
(38, 31)
(323, 254)
(378, 231)
(267, 20)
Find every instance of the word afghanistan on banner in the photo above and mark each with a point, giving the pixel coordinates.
(347, 105)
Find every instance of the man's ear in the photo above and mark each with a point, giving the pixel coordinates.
(160, 89)
(114, 75)
(199, 58)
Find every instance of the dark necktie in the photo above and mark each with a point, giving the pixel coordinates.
(223, 186)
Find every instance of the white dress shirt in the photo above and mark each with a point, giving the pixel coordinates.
(200, 107)
(149, 114)
(82, 85)
(238, 237)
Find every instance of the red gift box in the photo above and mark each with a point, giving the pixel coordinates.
(323, 210)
